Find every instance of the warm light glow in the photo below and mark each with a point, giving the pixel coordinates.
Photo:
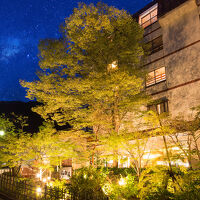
(151, 156)
(177, 162)
(38, 175)
(162, 163)
(175, 148)
(149, 16)
(44, 180)
(51, 184)
(104, 191)
(113, 65)
(48, 178)
(2, 133)
(110, 162)
(85, 176)
(129, 162)
(38, 190)
(106, 188)
(122, 181)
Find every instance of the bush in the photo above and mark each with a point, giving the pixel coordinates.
(120, 171)
(190, 186)
(122, 184)
(87, 183)
(155, 184)
(121, 187)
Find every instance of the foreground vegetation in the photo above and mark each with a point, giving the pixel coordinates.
(92, 80)
(155, 183)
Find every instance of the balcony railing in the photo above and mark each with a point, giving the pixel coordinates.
(156, 49)
(155, 79)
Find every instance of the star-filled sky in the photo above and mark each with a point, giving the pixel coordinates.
(22, 24)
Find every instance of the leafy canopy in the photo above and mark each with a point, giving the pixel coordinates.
(91, 77)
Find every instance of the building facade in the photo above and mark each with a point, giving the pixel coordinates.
(172, 30)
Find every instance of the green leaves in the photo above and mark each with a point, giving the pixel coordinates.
(77, 83)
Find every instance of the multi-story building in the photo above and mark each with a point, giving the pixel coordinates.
(172, 29)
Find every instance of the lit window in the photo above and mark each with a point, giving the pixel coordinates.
(149, 16)
(160, 107)
(155, 76)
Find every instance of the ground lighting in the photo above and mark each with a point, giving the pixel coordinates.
(38, 190)
(2, 132)
(122, 181)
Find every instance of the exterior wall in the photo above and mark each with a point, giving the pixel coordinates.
(180, 29)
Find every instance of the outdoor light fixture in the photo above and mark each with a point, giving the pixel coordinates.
(2, 132)
(39, 175)
(113, 65)
(122, 181)
(39, 190)
(44, 180)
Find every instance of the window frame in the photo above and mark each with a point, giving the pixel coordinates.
(155, 48)
(149, 12)
(163, 101)
(156, 78)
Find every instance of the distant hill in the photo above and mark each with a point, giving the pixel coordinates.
(24, 109)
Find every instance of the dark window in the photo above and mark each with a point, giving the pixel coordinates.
(160, 106)
(156, 45)
(156, 76)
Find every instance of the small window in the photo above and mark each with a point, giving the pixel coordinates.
(155, 76)
(149, 16)
(160, 107)
(156, 45)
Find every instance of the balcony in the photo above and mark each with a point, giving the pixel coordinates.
(156, 76)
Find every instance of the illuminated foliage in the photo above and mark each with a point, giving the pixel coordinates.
(91, 77)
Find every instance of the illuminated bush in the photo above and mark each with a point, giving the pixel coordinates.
(87, 183)
(121, 187)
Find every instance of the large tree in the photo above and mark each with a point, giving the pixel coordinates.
(43, 150)
(91, 77)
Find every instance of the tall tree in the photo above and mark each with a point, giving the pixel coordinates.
(162, 127)
(187, 135)
(91, 77)
(43, 150)
(14, 150)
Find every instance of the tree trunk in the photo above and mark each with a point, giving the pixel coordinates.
(196, 145)
(171, 172)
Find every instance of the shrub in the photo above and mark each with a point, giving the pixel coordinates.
(87, 183)
(154, 184)
(121, 187)
(190, 184)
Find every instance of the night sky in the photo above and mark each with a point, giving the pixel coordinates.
(22, 24)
